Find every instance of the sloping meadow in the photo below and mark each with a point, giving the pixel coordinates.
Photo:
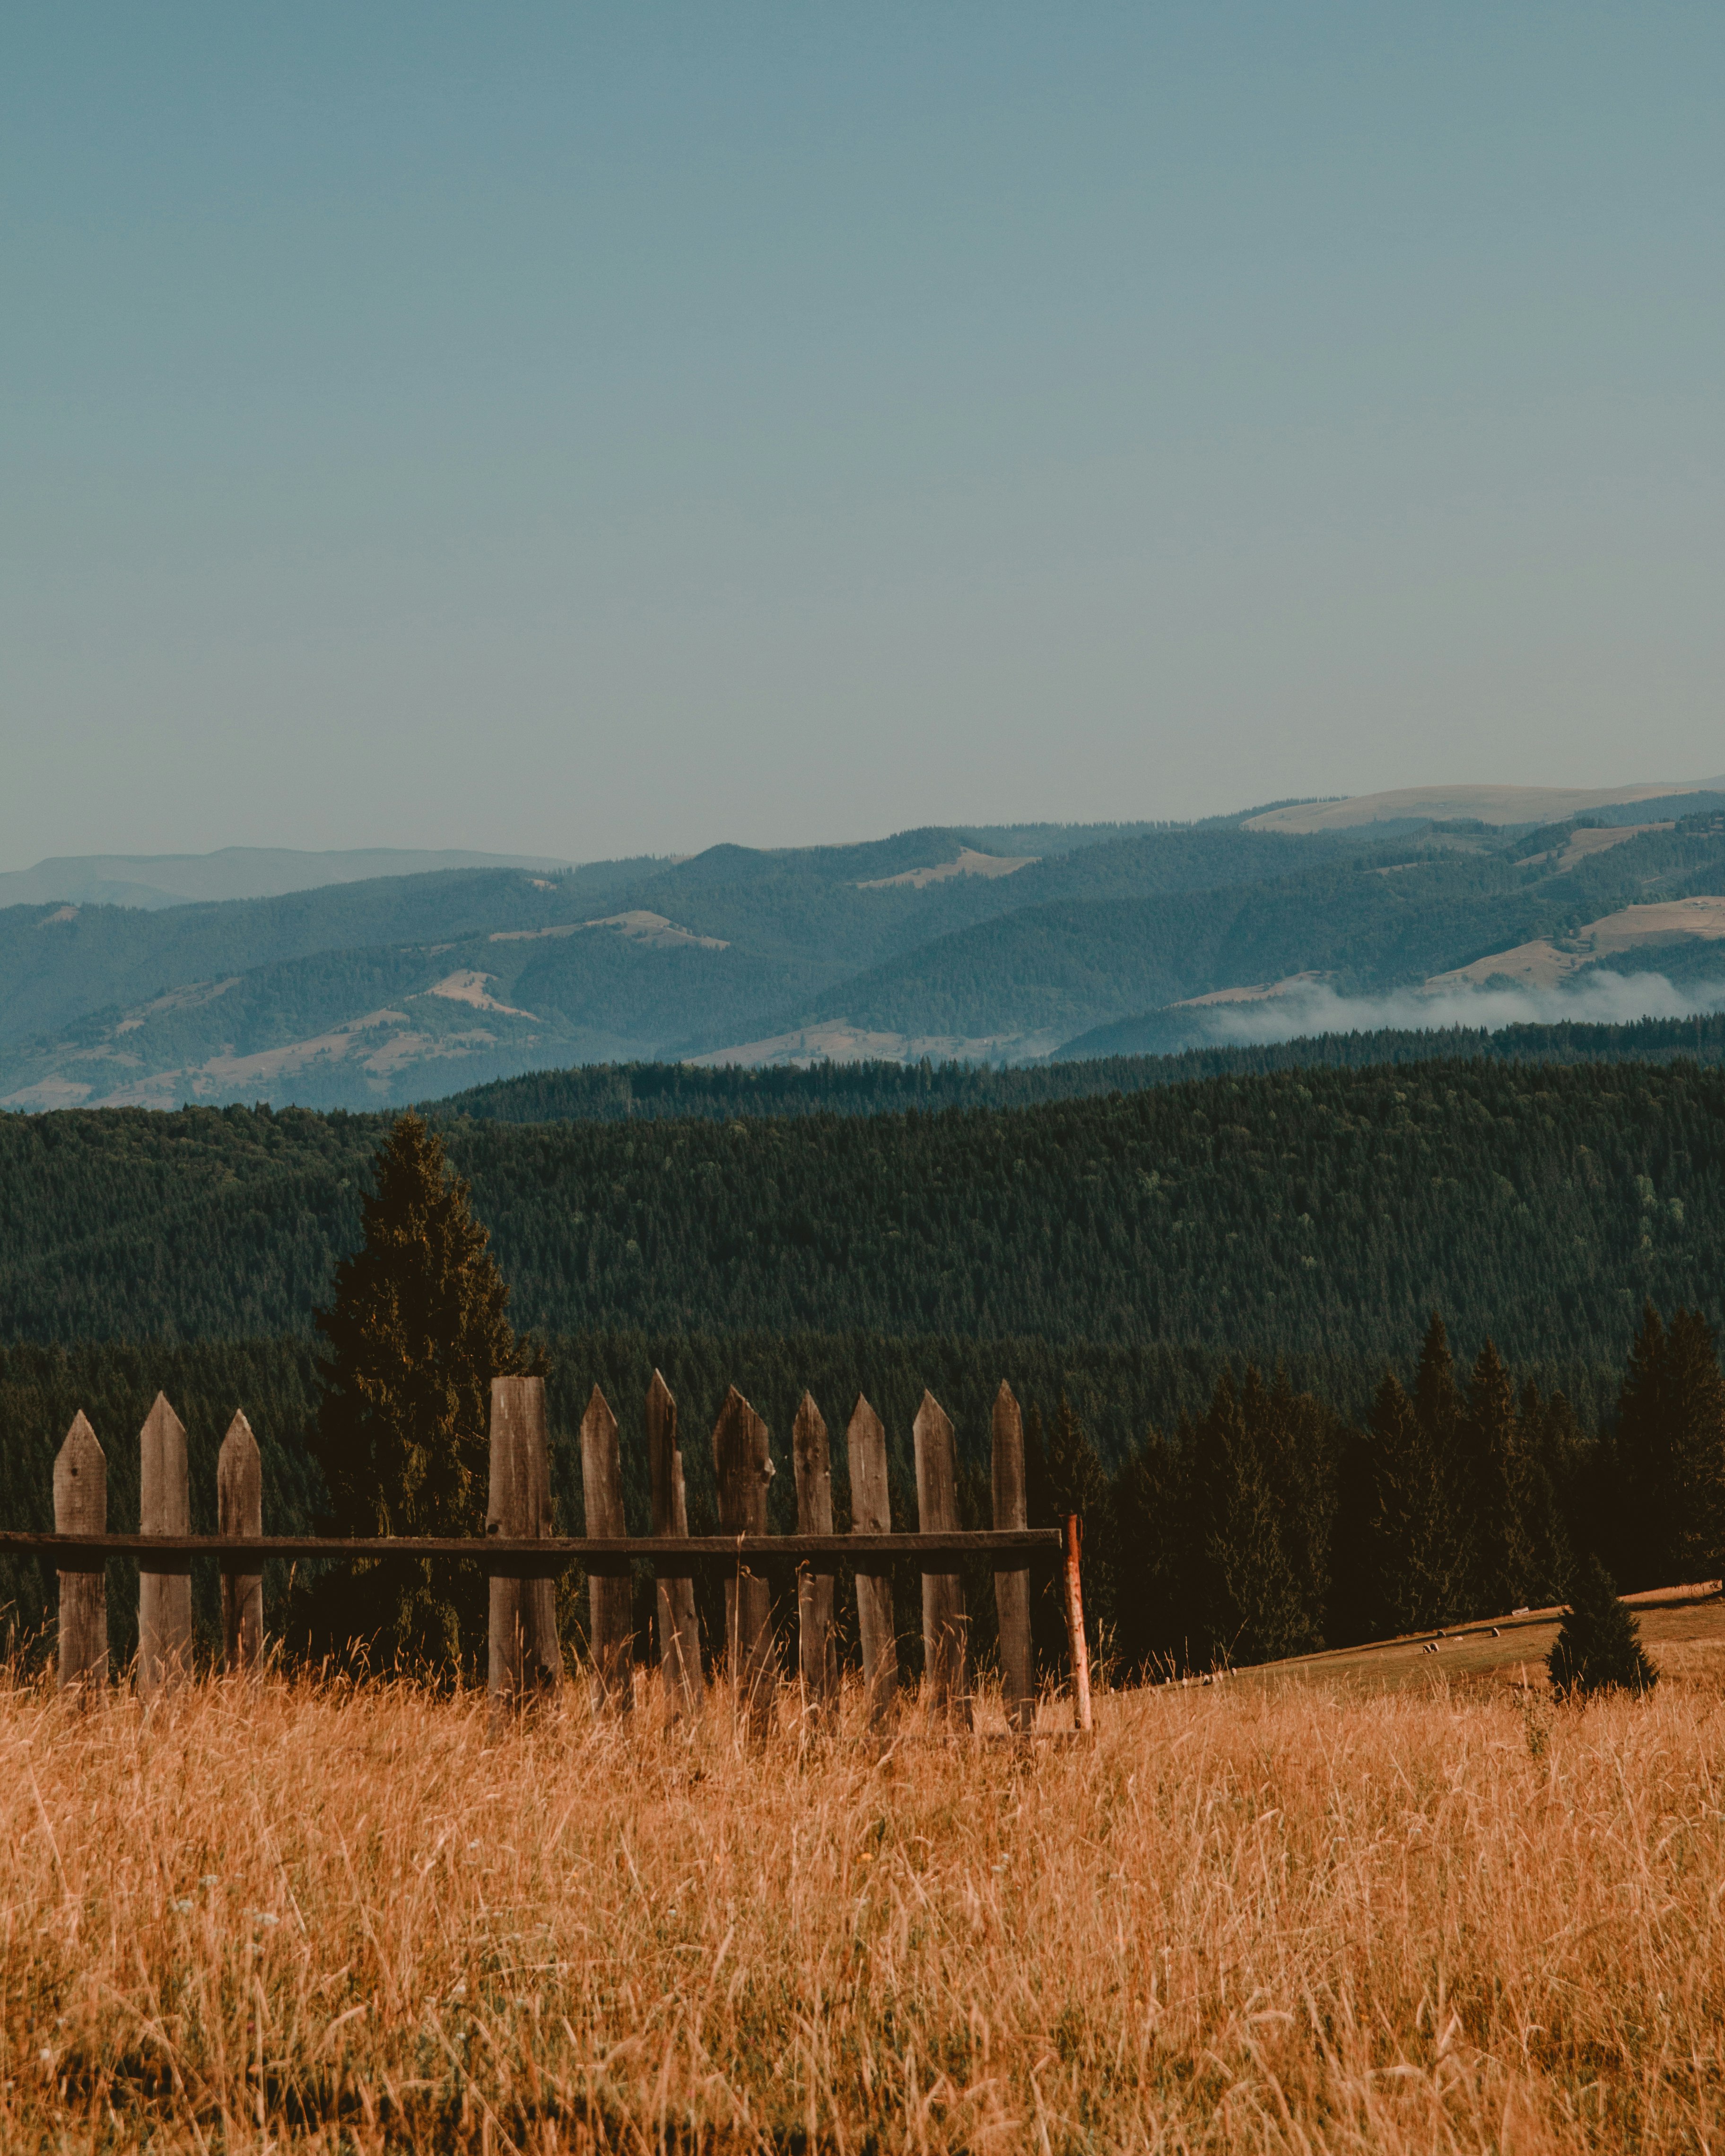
(1269, 1920)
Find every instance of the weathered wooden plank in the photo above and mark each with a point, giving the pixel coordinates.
(1075, 1641)
(743, 1467)
(81, 1508)
(239, 1511)
(871, 1514)
(1011, 1586)
(944, 1621)
(817, 1656)
(679, 1630)
(525, 1657)
(165, 1588)
(545, 1556)
(610, 1596)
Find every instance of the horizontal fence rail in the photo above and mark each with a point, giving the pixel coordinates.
(555, 1552)
(522, 1558)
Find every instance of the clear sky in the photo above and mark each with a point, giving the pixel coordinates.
(589, 430)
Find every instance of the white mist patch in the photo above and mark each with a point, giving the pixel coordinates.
(1601, 999)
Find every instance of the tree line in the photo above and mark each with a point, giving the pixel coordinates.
(1270, 1526)
(1261, 1520)
(1300, 1214)
(659, 1092)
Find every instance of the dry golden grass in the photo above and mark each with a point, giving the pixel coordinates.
(1257, 1916)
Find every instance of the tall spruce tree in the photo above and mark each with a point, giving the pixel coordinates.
(1303, 1444)
(1695, 1422)
(1437, 1399)
(1500, 1570)
(1642, 1462)
(1547, 1449)
(1247, 1594)
(1354, 1610)
(1149, 1510)
(416, 1331)
(1584, 1502)
(1417, 1560)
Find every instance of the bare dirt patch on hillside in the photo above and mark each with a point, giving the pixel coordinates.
(639, 926)
(1545, 965)
(838, 1041)
(969, 863)
(1483, 804)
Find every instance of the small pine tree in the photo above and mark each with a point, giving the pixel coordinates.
(1600, 1647)
(416, 1331)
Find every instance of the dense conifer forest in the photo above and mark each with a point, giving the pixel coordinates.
(1214, 1300)
(1306, 1213)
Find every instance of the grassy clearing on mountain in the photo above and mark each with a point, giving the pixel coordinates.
(1242, 1917)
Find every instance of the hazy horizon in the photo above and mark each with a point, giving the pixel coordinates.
(584, 435)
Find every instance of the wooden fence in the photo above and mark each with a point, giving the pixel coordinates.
(523, 1558)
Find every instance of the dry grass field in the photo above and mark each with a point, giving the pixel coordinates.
(1286, 1913)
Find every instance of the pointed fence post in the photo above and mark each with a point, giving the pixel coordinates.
(164, 1591)
(944, 1622)
(743, 1467)
(1012, 1589)
(240, 1512)
(81, 1508)
(679, 1631)
(816, 1659)
(610, 1600)
(871, 1514)
(525, 1657)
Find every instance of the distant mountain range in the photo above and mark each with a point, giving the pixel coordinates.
(1002, 944)
(159, 880)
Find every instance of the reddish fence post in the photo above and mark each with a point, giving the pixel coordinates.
(165, 1589)
(81, 1508)
(679, 1630)
(526, 1656)
(742, 1466)
(817, 1661)
(239, 1511)
(610, 1597)
(944, 1621)
(1074, 1623)
(871, 1514)
(1012, 1588)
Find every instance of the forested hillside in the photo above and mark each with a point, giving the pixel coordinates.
(1387, 918)
(1293, 1213)
(653, 1092)
(986, 946)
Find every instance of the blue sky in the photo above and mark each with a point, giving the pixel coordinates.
(596, 430)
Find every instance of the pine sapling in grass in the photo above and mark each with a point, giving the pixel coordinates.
(1600, 1647)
